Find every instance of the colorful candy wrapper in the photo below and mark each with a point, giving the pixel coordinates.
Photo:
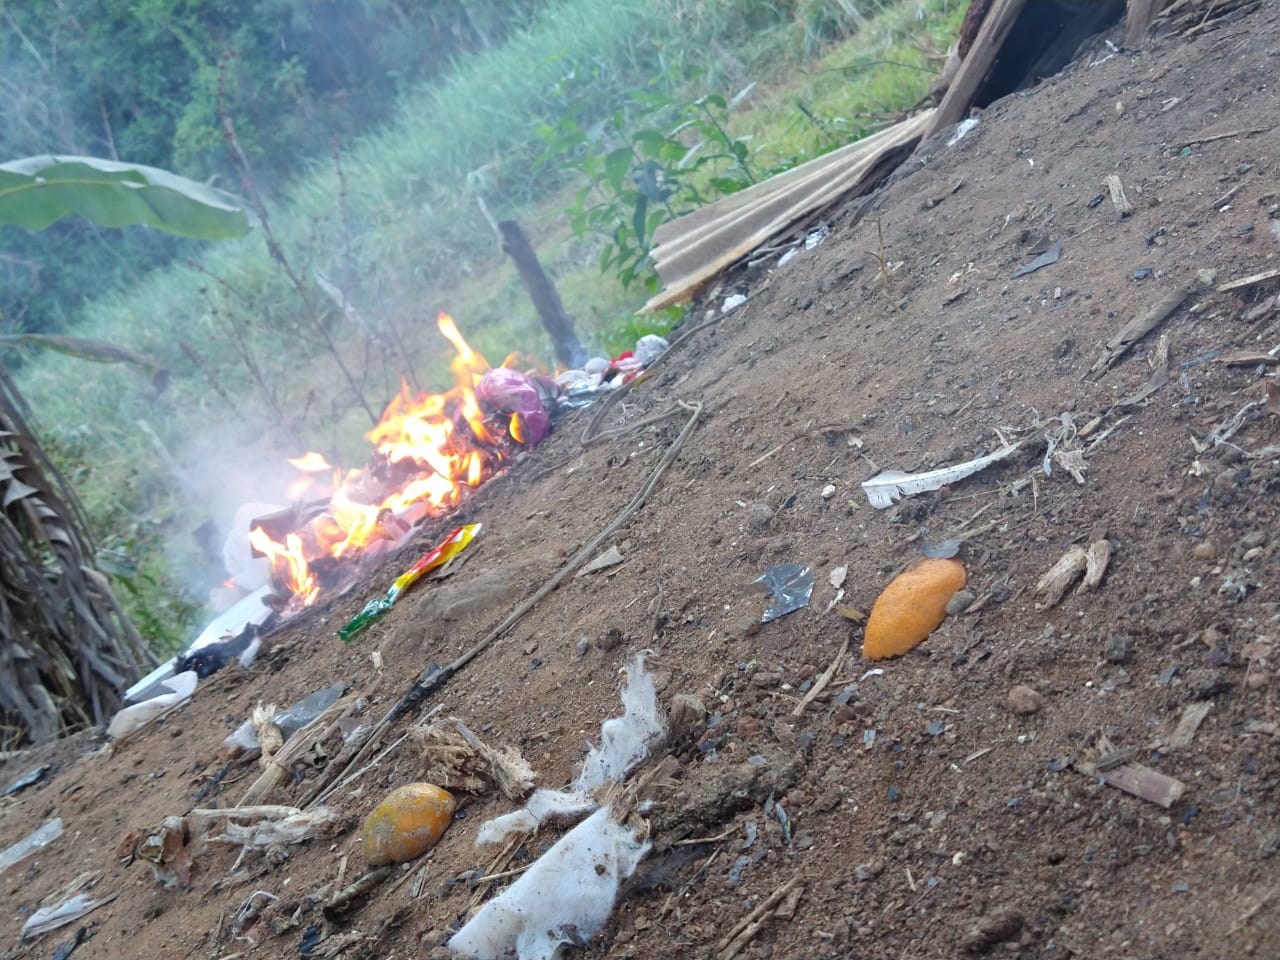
(446, 550)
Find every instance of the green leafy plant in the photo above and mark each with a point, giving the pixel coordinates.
(652, 160)
(37, 192)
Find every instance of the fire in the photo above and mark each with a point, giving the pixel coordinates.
(438, 444)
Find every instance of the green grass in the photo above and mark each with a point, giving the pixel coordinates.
(395, 225)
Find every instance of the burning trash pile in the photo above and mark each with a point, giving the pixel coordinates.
(430, 451)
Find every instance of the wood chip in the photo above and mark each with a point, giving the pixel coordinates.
(1247, 358)
(1138, 328)
(1096, 560)
(610, 558)
(1185, 732)
(1143, 782)
(1118, 200)
(1249, 281)
(1059, 578)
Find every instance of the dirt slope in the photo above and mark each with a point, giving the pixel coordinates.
(959, 824)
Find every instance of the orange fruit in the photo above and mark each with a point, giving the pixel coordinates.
(407, 823)
(911, 607)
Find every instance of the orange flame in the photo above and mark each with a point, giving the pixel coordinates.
(441, 442)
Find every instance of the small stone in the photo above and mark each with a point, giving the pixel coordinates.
(1257, 678)
(765, 679)
(1025, 701)
(687, 717)
(828, 491)
(997, 927)
(1204, 550)
(759, 515)
(1206, 277)
(844, 713)
(1254, 538)
(748, 626)
(961, 602)
(1119, 649)
(1252, 554)
(611, 640)
(868, 871)
(580, 650)
(1203, 683)
(748, 728)
(1212, 637)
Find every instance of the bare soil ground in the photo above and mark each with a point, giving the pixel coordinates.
(928, 817)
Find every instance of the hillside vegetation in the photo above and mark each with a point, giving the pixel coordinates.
(266, 361)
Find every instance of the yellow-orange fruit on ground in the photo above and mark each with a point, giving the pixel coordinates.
(407, 823)
(911, 607)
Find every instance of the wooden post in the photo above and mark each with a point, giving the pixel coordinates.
(543, 293)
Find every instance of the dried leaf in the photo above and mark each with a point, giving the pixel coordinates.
(891, 485)
(1055, 583)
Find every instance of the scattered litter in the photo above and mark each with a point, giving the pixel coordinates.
(569, 892)
(527, 402)
(1143, 273)
(445, 551)
(785, 821)
(944, 550)
(911, 607)
(565, 897)
(610, 558)
(732, 302)
(28, 779)
(294, 828)
(135, 717)
(1048, 258)
(791, 585)
(68, 911)
(837, 575)
(293, 719)
(38, 839)
(815, 237)
(624, 742)
(68, 947)
(873, 672)
(165, 851)
(890, 485)
(828, 491)
(649, 348)
(1141, 781)
(457, 759)
(1192, 716)
(788, 256)
(250, 910)
(962, 128)
(407, 823)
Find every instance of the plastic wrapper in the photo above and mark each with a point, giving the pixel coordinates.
(527, 400)
(29, 844)
(649, 348)
(791, 585)
(446, 550)
(140, 714)
(68, 911)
